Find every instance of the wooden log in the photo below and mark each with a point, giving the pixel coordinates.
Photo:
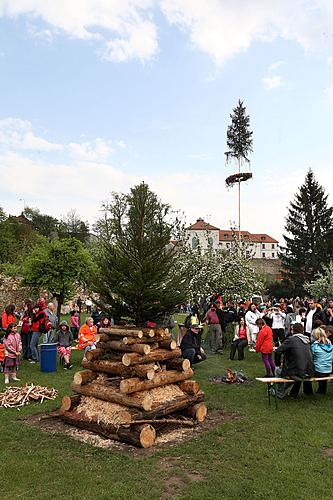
(122, 332)
(117, 368)
(197, 411)
(162, 378)
(169, 407)
(168, 344)
(84, 376)
(130, 359)
(139, 435)
(163, 421)
(94, 354)
(117, 345)
(69, 402)
(133, 340)
(179, 364)
(113, 396)
(189, 386)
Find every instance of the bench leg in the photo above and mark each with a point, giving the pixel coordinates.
(275, 394)
(269, 393)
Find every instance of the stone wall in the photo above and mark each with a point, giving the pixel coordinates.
(12, 293)
(270, 267)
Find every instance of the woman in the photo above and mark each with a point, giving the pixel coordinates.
(38, 318)
(251, 316)
(26, 332)
(8, 316)
(87, 335)
(241, 339)
(75, 323)
(322, 353)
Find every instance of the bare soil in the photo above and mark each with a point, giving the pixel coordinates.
(165, 439)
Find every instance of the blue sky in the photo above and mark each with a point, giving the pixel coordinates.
(99, 95)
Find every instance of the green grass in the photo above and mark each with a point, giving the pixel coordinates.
(263, 454)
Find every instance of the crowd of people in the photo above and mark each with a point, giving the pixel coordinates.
(22, 330)
(298, 333)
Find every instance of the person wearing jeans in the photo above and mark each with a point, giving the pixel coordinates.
(215, 330)
(38, 316)
(322, 353)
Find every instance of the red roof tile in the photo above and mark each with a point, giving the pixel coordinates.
(202, 225)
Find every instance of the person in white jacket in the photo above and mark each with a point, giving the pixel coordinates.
(251, 316)
(278, 325)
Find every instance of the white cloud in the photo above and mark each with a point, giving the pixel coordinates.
(123, 27)
(97, 150)
(18, 134)
(274, 66)
(272, 82)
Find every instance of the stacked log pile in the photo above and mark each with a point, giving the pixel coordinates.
(134, 384)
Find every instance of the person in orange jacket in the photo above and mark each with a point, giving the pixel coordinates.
(264, 344)
(87, 336)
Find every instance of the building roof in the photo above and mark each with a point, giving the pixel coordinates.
(264, 238)
(202, 225)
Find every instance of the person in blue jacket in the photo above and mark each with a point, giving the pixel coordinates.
(322, 353)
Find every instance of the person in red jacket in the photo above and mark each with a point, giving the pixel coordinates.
(264, 344)
(8, 316)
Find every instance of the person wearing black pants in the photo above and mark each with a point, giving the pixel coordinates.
(191, 345)
(240, 340)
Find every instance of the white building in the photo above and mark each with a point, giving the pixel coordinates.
(259, 246)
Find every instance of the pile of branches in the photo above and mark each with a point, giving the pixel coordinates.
(231, 377)
(20, 396)
(235, 178)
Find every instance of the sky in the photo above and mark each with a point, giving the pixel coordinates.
(99, 95)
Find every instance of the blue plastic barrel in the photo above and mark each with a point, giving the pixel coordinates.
(48, 357)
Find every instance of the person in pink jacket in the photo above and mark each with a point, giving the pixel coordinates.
(13, 348)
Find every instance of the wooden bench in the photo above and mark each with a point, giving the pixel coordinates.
(272, 381)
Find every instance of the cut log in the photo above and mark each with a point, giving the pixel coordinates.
(94, 354)
(117, 345)
(189, 386)
(133, 340)
(138, 435)
(84, 376)
(121, 332)
(112, 395)
(117, 368)
(69, 402)
(162, 378)
(197, 411)
(179, 364)
(169, 407)
(130, 359)
(168, 344)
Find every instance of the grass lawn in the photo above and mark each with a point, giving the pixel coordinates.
(264, 454)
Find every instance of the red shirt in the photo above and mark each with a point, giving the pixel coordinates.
(212, 318)
(242, 332)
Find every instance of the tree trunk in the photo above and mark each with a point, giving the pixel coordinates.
(162, 378)
(198, 411)
(168, 344)
(113, 396)
(84, 376)
(189, 386)
(130, 359)
(179, 364)
(60, 300)
(138, 435)
(120, 332)
(116, 368)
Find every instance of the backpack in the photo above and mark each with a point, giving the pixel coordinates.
(45, 325)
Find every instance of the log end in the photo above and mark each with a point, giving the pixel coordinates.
(173, 345)
(146, 349)
(126, 360)
(151, 333)
(199, 412)
(150, 374)
(147, 403)
(147, 436)
(186, 364)
(66, 403)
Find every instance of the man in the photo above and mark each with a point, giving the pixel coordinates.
(297, 362)
(278, 324)
(328, 313)
(191, 345)
(215, 330)
(313, 313)
(51, 315)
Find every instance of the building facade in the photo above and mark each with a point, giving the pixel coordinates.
(258, 245)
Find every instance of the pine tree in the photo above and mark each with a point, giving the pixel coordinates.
(138, 275)
(239, 136)
(309, 239)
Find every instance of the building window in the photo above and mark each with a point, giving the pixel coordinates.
(263, 255)
(195, 242)
(263, 245)
(273, 254)
(273, 246)
(210, 242)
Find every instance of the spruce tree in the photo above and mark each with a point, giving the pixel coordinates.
(239, 135)
(138, 273)
(309, 228)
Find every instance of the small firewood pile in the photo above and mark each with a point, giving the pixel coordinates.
(20, 396)
(134, 384)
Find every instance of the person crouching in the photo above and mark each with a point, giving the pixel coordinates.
(64, 338)
(191, 345)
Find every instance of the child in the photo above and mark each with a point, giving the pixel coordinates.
(322, 353)
(104, 323)
(75, 323)
(13, 347)
(64, 338)
(264, 344)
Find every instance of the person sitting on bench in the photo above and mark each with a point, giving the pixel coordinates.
(191, 345)
(297, 362)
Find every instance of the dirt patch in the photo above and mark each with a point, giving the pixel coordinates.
(165, 439)
(328, 452)
(178, 477)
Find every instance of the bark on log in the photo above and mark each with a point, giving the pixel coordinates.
(113, 396)
(138, 435)
(133, 340)
(168, 344)
(122, 332)
(69, 402)
(118, 345)
(197, 411)
(179, 364)
(94, 354)
(130, 359)
(190, 386)
(162, 378)
(117, 368)
(174, 406)
(84, 376)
